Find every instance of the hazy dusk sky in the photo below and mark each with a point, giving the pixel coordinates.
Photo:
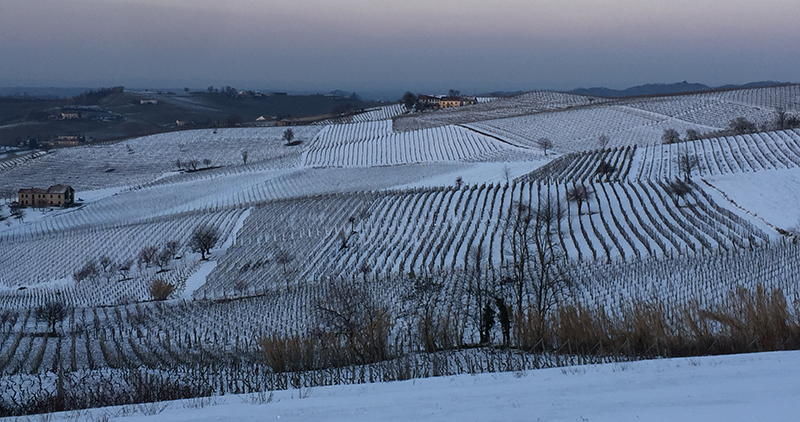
(373, 45)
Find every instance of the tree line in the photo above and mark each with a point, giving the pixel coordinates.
(737, 126)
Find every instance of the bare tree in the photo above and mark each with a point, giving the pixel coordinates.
(670, 136)
(52, 313)
(693, 135)
(579, 194)
(108, 267)
(288, 135)
(479, 289)
(172, 247)
(350, 312)
(423, 295)
(780, 118)
(459, 182)
(207, 162)
(193, 164)
(507, 174)
(518, 225)
(605, 168)
(124, 269)
(283, 257)
(540, 265)
(741, 125)
(163, 259)
(178, 164)
(679, 190)
(244, 157)
(544, 144)
(89, 271)
(687, 164)
(147, 255)
(203, 239)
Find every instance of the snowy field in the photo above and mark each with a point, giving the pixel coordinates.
(642, 121)
(747, 192)
(753, 387)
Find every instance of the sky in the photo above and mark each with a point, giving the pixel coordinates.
(419, 45)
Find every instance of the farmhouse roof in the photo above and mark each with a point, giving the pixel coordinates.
(58, 189)
(35, 191)
(51, 189)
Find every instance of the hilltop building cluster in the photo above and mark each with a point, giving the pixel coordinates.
(448, 101)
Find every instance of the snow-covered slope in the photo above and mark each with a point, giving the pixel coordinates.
(754, 387)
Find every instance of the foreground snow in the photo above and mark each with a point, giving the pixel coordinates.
(754, 387)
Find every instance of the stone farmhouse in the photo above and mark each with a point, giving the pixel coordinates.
(447, 102)
(54, 196)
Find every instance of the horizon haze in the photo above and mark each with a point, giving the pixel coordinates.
(363, 46)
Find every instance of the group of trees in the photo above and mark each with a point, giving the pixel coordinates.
(737, 126)
(410, 101)
(152, 255)
(536, 277)
(193, 164)
(202, 240)
(538, 259)
(105, 267)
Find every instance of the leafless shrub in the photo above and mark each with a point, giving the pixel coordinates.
(289, 353)
(160, 289)
(758, 320)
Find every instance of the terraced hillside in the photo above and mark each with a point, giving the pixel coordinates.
(419, 218)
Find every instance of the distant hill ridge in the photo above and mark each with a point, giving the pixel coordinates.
(661, 89)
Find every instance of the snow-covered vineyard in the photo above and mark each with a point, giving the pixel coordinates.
(389, 200)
